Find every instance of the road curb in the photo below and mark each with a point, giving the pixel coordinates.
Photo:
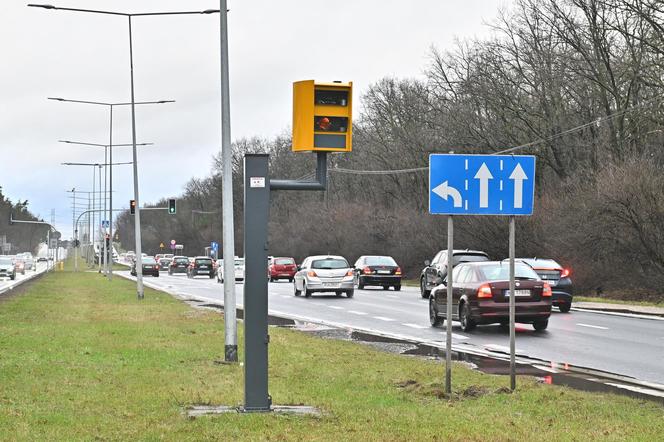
(621, 312)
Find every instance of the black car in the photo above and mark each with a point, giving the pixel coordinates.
(558, 278)
(381, 271)
(203, 266)
(150, 267)
(164, 263)
(179, 264)
(435, 271)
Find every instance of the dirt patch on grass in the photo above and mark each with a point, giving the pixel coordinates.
(437, 390)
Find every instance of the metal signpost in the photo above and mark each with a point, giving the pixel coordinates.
(502, 185)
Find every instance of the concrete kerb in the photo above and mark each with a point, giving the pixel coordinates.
(211, 410)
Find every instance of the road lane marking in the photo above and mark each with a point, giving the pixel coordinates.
(393, 296)
(355, 312)
(417, 326)
(336, 307)
(383, 318)
(592, 326)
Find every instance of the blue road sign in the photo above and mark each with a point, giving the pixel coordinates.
(105, 224)
(481, 184)
(214, 245)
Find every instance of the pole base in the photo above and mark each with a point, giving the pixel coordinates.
(230, 353)
(207, 410)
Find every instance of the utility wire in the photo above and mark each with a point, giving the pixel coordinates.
(596, 121)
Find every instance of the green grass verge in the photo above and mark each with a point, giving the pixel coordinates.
(82, 359)
(617, 301)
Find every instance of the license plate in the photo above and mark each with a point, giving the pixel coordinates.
(552, 282)
(203, 271)
(330, 284)
(518, 292)
(181, 265)
(204, 267)
(383, 272)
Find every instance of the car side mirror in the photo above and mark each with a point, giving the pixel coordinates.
(427, 262)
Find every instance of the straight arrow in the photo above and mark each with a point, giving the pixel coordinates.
(518, 175)
(484, 175)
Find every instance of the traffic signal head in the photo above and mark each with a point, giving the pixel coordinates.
(171, 206)
(322, 116)
(132, 206)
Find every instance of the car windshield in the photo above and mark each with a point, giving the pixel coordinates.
(149, 261)
(329, 264)
(5, 261)
(204, 261)
(380, 261)
(182, 260)
(164, 261)
(541, 263)
(459, 258)
(284, 261)
(501, 272)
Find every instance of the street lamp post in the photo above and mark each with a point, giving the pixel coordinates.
(137, 215)
(109, 271)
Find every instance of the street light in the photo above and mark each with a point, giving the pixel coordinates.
(139, 269)
(109, 148)
(95, 165)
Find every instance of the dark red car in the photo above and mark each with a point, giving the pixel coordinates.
(481, 296)
(282, 268)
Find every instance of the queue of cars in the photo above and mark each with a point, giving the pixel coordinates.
(12, 265)
(480, 293)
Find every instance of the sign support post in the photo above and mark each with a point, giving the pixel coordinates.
(512, 247)
(448, 316)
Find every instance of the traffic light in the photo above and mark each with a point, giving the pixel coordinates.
(108, 241)
(132, 206)
(171, 206)
(322, 116)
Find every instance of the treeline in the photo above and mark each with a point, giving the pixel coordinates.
(578, 83)
(22, 237)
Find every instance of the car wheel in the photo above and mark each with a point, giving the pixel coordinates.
(156, 275)
(423, 291)
(339, 293)
(360, 283)
(397, 288)
(565, 307)
(350, 293)
(434, 319)
(307, 293)
(290, 279)
(386, 287)
(541, 325)
(211, 276)
(295, 290)
(467, 323)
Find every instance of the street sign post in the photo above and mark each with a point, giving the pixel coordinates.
(161, 245)
(502, 185)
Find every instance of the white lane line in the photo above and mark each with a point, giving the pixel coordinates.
(420, 327)
(355, 312)
(592, 326)
(383, 318)
(336, 307)
(285, 296)
(392, 296)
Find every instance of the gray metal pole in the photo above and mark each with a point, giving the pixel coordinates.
(48, 248)
(228, 235)
(512, 307)
(448, 310)
(94, 208)
(98, 227)
(103, 236)
(256, 338)
(110, 196)
(76, 250)
(137, 215)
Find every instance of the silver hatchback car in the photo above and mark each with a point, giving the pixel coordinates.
(324, 273)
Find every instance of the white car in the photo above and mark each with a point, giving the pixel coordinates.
(324, 273)
(239, 269)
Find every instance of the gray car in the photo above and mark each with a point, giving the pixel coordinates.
(324, 273)
(7, 268)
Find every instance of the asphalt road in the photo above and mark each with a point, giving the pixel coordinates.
(7, 284)
(617, 344)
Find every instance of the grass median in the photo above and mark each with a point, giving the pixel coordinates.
(82, 359)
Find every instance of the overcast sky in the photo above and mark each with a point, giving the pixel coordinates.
(48, 53)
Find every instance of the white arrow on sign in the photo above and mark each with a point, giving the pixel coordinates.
(484, 175)
(518, 175)
(443, 191)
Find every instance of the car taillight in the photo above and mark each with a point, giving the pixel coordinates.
(546, 290)
(349, 273)
(564, 273)
(484, 291)
(156, 267)
(312, 273)
(367, 271)
(397, 271)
